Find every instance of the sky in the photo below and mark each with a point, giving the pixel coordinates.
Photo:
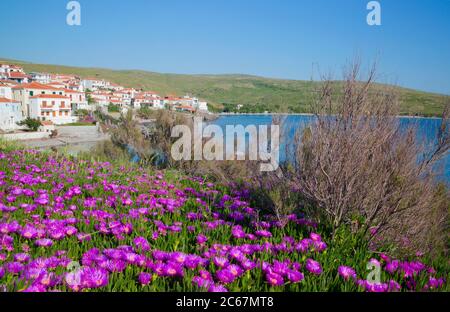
(291, 39)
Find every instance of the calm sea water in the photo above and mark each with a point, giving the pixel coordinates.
(427, 129)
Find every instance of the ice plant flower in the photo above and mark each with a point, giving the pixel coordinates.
(94, 277)
(313, 267)
(44, 242)
(145, 278)
(274, 279)
(346, 272)
(225, 276)
(295, 276)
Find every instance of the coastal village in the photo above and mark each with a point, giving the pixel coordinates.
(59, 99)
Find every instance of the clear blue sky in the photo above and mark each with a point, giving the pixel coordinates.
(273, 38)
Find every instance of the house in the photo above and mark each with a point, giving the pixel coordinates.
(202, 106)
(100, 97)
(94, 83)
(53, 107)
(4, 69)
(10, 114)
(184, 108)
(43, 78)
(115, 87)
(18, 77)
(6, 88)
(47, 126)
(57, 85)
(77, 99)
(7, 68)
(62, 78)
(23, 92)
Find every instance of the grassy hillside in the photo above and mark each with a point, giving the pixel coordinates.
(258, 94)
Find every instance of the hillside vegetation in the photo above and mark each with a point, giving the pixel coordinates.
(224, 92)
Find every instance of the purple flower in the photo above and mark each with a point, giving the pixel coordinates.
(313, 267)
(274, 279)
(173, 269)
(248, 264)
(22, 257)
(303, 245)
(201, 282)
(237, 231)
(235, 270)
(392, 266)
(201, 239)
(376, 287)
(263, 233)
(141, 243)
(2, 272)
(44, 242)
(217, 288)
(178, 257)
(394, 286)
(14, 267)
(225, 276)
(315, 237)
(145, 278)
(295, 276)
(94, 277)
(346, 272)
(434, 283)
(220, 261)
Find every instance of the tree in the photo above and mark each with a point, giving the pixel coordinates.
(30, 123)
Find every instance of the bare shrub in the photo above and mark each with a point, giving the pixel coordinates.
(356, 165)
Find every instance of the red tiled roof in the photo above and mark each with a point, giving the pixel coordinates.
(49, 96)
(35, 85)
(17, 75)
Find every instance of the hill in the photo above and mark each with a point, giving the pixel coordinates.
(224, 92)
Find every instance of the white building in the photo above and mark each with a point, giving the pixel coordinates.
(51, 107)
(6, 89)
(202, 106)
(77, 99)
(10, 114)
(41, 77)
(94, 84)
(18, 77)
(23, 92)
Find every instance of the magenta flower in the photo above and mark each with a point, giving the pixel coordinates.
(225, 276)
(346, 272)
(295, 276)
(14, 267)
(220, 261)
(22, 257)
(145, 278)
(94, 277)
(202, 282)
(44, 242)
(201, 239)
(263, 233)
(237, 231)
(173, 269)
(274, 279)
(315, 237)
(394, 286)
(313, 267)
